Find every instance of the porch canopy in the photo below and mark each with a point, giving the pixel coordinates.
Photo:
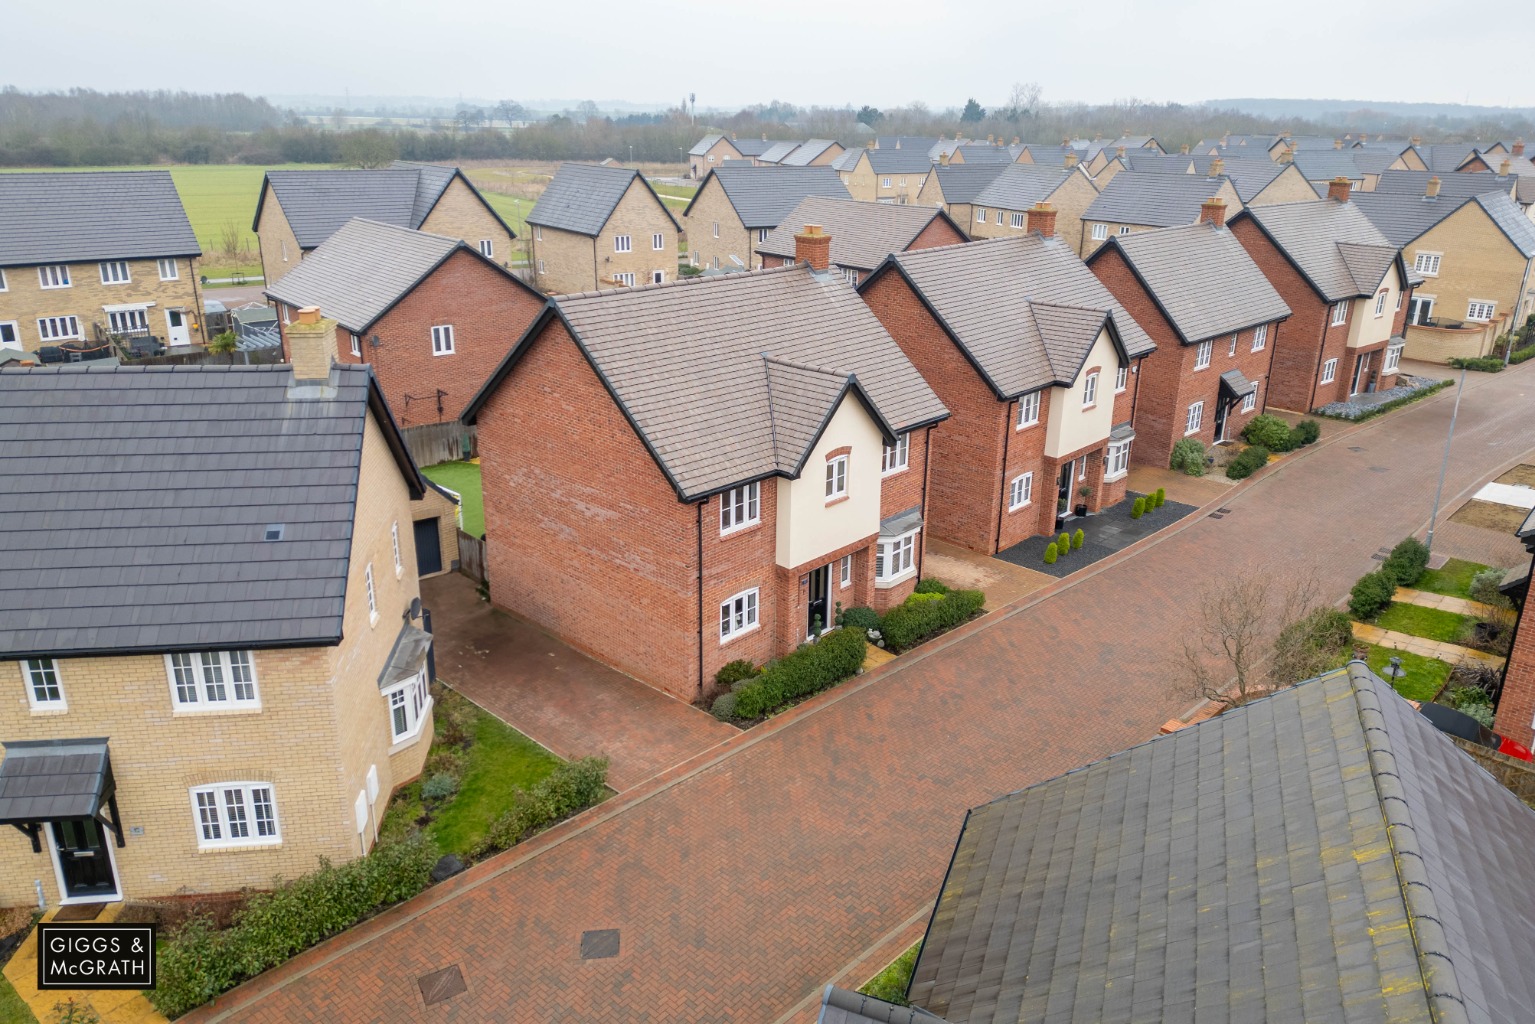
(54, 780)
(1235, 386)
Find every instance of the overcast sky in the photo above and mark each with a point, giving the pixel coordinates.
(731, 52)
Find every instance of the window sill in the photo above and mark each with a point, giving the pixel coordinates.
(1090, 408)
(233, 709)
(894, 472)
(263, 844)
(46, 712)
(733, 637)
(1019, 508)
(836, 501)
(1116, 476)
(1026, 426)
(736, 531)
(895, 581)
(373, 618)
(399, 571)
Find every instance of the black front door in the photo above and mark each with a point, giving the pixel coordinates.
(1222, 407)
(428, 547)
(85, 859)
(820, 585)
(1068, 471)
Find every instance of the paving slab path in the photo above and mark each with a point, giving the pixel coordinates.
(808, 850)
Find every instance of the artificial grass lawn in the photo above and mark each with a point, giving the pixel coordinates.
(1425, 676)
(1453, 580)
(464, 479)
(1429, 623)
(12, 1009)
(890, 984)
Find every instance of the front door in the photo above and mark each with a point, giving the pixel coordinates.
(1361, 373)
(820, 586)
(1068, 473)
(1222, 408)
(176, 330)
(84, 859)
(428, 547)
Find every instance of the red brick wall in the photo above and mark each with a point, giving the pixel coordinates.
(1295, 368)
(938, 232)
(1516, 708)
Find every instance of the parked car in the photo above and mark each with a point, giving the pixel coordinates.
(1457, 723)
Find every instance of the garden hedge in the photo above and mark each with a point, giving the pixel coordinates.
(909, 624)
(812, 668)
(860, 617)
(1248, 462)
(1371, 593)
(1407, 562)
(1270, 432)
(734, 672)
(1481, 364)
(931, 585)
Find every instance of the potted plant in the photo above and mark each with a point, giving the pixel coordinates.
(1060, 512)
(1084, 492)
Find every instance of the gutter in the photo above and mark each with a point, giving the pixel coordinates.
(700, 506)
(1007, 436)
(1321, 352)
(927, 474)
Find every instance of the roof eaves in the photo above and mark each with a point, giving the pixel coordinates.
(891, 260)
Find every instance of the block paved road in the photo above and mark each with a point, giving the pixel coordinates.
(747, 878)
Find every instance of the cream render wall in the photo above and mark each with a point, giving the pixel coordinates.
(1364, 327)
(807, 526)
(279, 246)
(1070, 426)
(461, 213)
(24, 300)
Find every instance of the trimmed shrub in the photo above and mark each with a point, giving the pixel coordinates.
(812, 668)
(1395, 403)
(920, 596)
(1371, 594)
(1484, 587)
(724, 706)
(1308, 432)
(1077, 539)
(1481, 364)
(1189, 457)
(1481, 712)
(439, 786)
(1063, 543)
(1251, 459)
(910, 624)
(862, 618)
(734, 672)
(1270, 432)
(1407, 562)
(1521, 354)
(567, 790)
(1051, 553)
(932, 585)
(1139, 508)
(1161, 496)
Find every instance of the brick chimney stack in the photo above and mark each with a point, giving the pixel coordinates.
(1213, 211)
(1504, 168)
(1071, 158)
(1416, 141)
(943, 157)
(1119, 151)
(1337, 143)
(1339, 188)
(311, 345)
(1432, 191)
(1217, 167)
(813, 246)
(1517, 149)
(1042, 219)
(1183, 150)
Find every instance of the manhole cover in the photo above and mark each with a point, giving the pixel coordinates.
(1355, 448)
(441, 985)
(1379, 469)
(599, 945)
(1224, 511)
(1216, 515)
(1378, 557)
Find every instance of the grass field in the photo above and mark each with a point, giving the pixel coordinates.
(1425, 676)
(1454, 579)
(463, 478)
(1416, 620)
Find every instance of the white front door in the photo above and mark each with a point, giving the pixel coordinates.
(176, 330)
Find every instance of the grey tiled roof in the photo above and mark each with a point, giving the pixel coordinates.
(581, 197)
(754, 147)
(981, 153)
(764, 196)
(1025, 309)
(961, 183)
(1202, 278)
(847, 159)
(1403, 216)
(704, 144)
(840, 1006)
(1334, 244)
(1325, 855)
(862, 234)
(1154, 200)
(899, 161)
(1326, 164)
(432, 181)
(360, 271)
(317, 203)
(134, 502)
(1150, 161)
(47, 780)
(1237, 383)
(807, 152)
(1020, 186)
(65, 217)
(1446, 157)
(777, 151)
(1249, 175)
(1452, 185)
(729, 379)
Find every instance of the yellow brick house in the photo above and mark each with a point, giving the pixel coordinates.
(737, 207)
(601, 227)
(211, 653)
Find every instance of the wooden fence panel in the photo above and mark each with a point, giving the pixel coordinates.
(432, 443)
(471, 556)
(1518, 776)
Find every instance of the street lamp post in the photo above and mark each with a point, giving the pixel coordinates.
(1444, 463)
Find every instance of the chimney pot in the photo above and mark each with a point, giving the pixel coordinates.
(1339, 188)
(309, 315)
(1041, 218)
(1416, 141)
(812, 246)
(1017, 139)
(1213, 211)
(1517, 149)
(1432, 191)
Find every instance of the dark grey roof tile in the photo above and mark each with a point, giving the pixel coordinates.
(66, 217)
(764, 196)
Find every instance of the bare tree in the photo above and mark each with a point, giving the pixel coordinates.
(1022, 101)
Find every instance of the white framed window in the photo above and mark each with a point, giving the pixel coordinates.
(1233, 350)
(1480, 311)
(896, 557)
(1202, 354)
(845, 571)
(394, 540)
(1427, 263)
(625, 280)
(1393, 359)
(1020, 492)
(740, 506)
(1340, 312)
(716, 229)
(1016, 220)
(850, 275)
(442, 340)
(285, 314)
(10, 334)
(999, 218)
(738, 614)
(1090, 390)
(541, 268)
(762, 235)
(980, 216)
(3, 286)
(1329, 371)
(488, 248)
(127, 321)
(1251, 401)
(356, 344)
(235, 814)
(622, 243)
(836, 478)
(1117, 461)
(538, 233)
(367, 580)
(407, 707)
(44, 691)
(884, 183)
(53, 276)
(897, 456)
(169, 271)
(114, 272)
(1100, 232)
(903, 182)
(658, 277)
(57, 328)
(658, 241)
(1124, 229)
(1399, 297)
(1028, 410)
(710, 158)
(1260, 337)
(212, 680)
(1121, 379)
(1380, 302)
(1195, 420)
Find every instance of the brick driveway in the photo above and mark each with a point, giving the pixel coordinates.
(745, 880)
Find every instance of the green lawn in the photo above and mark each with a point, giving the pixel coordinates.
(1429, 623)
(513, 209)
(463, 478)
(12, 1009)
(890, 984)
(1425, 676)
(1454, 579)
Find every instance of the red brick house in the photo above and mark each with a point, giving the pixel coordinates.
(1215, 320)
(1516, 699)
(1035, 360)
(862, 234)
(735, 457)
(431, 313)
(1347, 289)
